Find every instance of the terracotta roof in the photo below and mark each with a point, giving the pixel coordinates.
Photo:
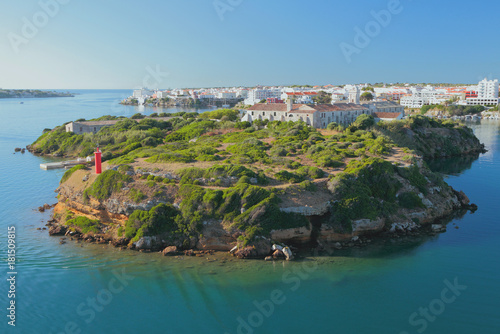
(386, 114)
(278, 107)
(305, 108)
(301, 93)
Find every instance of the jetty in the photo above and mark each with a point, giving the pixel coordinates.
(62, 164)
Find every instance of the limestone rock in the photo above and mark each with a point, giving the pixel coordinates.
(278, 254)
(292, 235)
(288, 253)
(57, 230)
(170, 251)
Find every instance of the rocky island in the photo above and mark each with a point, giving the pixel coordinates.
(208, 182)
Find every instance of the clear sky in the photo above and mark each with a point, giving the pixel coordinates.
(121, 44)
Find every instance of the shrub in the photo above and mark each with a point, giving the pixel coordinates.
(136, 195)
(228, 114)
(160, 219)
(85, 224)
(106, 183)
(410, 200)
(125, 168)
(311, 172)
(286, 176)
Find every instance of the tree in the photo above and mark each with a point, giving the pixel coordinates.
(263, 101)
(137, 116)
(323, 98)
(367, 96)
(368, 89)
(364, 121)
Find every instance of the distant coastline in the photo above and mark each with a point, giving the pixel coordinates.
(31, 93)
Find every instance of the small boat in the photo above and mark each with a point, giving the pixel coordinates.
(21, 102)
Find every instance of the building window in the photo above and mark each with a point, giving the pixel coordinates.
(95, 129)
(252, 113)
(275, 113)
(81, 129)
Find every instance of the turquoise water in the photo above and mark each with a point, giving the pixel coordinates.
(75, 288)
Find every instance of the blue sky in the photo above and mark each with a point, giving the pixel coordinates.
(120, 44)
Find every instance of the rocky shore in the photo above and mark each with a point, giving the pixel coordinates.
(203, 183)
(440, 201)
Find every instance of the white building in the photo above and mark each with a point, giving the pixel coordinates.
(143, 92)
(487, 93)
(256, 95)
(161, 94)
(421, 96)
(320, 115)
(226, 95)
(354, 94)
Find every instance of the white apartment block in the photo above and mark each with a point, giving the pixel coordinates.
(487, 93)
(421, 97)
(256, 95)
(141, 93)
(226, 95)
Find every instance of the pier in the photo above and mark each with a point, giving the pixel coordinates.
(62, 164)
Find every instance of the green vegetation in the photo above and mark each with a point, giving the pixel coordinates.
(136, 195)
(162, 219)
(70, 172)
(323, 98)
(85, 224)
(410, 200)
(422, 134)
(366, 190)
(453, 110)
(240, 159)
(105, 184)
(367, 96)
(222, 114)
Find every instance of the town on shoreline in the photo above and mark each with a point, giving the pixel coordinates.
(435, 100)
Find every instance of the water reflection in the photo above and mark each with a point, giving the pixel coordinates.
(453, 166)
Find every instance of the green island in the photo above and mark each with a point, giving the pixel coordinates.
(31, 93)
(208, 182)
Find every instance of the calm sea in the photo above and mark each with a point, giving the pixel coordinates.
(443, 284)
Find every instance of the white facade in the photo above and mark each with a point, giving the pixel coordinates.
(226, 95)
(421, 97)
(487, 89)
(141, 93)
(161, 94)
(256, 95)
(354, 95)
(487, 93)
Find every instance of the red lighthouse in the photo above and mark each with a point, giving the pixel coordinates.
(97, 154)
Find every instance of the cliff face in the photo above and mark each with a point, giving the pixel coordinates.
(433, 199)
(433, 141)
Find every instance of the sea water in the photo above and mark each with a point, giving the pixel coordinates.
(448, 283)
